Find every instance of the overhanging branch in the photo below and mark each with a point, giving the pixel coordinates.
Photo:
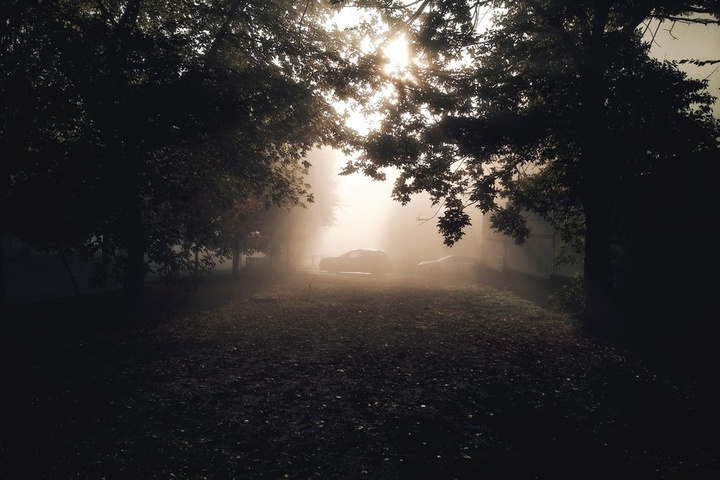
(689, 20)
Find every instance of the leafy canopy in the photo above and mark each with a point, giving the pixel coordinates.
(529, 114)
(139, 125)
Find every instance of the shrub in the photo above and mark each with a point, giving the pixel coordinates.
(571, 296)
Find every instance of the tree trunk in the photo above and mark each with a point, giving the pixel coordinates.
(132, 223)
(66, 264)
(134, 229)
(134, 278)
(596, 185)
(3, 298)
(236, 258)
(103, 271)
(196, 270)
(597, 269)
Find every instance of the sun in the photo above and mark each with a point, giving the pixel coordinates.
(398, 56)
(392, 46)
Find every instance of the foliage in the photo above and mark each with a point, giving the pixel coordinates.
(284, 233)
(570, 297)
(133, 127)
(550, 109)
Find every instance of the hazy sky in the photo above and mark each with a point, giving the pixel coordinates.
(681, 41)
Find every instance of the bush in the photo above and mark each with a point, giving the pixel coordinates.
(571, 296)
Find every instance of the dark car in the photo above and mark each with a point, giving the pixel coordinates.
(456, 265)
(366, 261)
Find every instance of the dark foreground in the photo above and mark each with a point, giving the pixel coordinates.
(340, 377)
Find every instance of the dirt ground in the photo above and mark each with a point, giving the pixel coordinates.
(319, 376)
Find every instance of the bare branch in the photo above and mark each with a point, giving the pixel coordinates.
(689, 20)
(657, 29)
(713, 72)
(423, 221)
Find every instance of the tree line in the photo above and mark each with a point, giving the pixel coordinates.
(132, 127)
(557, 108)
(142, 131)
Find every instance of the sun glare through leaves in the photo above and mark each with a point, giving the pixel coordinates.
(398, 57)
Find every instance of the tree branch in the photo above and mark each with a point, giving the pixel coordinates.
(106, 13)
(423, 221)
(221, 34)
(558, 28)
(130, 15)
(699, 21)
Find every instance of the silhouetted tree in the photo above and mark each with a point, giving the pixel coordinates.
(132, 126)
(551, 110)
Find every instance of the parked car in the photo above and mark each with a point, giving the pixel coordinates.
(455, 265)
(367, 261)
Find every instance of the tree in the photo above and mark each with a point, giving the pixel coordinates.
(551, 109)
(133, 126)
(287, 233)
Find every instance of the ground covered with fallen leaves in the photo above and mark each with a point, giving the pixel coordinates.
(319, 376)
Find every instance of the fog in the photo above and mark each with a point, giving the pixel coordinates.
(366, 216)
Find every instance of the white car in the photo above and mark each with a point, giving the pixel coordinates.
(454, 265)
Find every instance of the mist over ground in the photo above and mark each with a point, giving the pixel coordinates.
(367, 217)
